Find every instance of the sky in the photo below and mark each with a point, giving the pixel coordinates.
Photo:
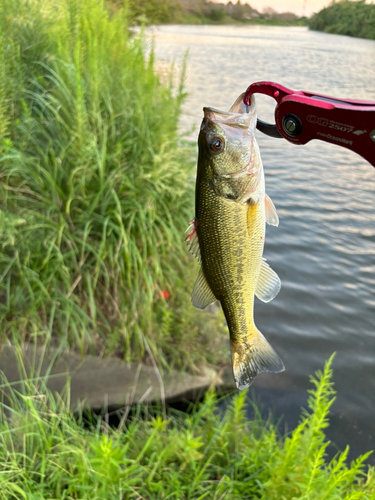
(299, 7)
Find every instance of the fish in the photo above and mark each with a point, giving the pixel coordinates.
(227, 234)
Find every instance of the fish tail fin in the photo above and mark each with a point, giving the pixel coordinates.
(253, 357)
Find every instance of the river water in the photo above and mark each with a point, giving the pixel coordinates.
(324, 247)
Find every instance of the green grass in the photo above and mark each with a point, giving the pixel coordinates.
(96, 187)
(47, 453)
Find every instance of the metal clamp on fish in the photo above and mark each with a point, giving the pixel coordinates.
(302, 116)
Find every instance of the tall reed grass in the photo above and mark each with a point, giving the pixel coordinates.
(47, 453)
(95, 185)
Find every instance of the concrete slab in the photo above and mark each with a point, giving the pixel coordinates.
(96, 382)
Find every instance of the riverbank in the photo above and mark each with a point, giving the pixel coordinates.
(230, 21)
(47, 452)
(96, 190)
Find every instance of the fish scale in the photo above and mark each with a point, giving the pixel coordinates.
(228, 234)
(232, 243)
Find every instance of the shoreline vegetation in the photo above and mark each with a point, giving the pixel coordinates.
(350, 18)
(96, 190)
(207, 12)
(48, 452)
(343, 17)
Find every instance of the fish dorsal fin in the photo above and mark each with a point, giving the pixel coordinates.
(271, 214)
(269, 284)
(202, 295)
(192, 241)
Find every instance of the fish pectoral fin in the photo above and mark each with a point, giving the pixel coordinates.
(202, 295)
(259, 356)
(192, 240)
(271, 215)
(269, 284)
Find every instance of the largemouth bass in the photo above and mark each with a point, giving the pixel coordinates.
(228, 231)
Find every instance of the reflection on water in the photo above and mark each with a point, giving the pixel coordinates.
(324, 248)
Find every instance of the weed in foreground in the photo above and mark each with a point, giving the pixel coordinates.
(46, 453)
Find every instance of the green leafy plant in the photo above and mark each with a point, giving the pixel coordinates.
(46, 453)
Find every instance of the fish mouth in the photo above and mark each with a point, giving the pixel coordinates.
(236, 120)
(240, 115)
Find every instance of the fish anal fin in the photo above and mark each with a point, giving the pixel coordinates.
(271, 214)
(268, 284)
(202, 295)
(192, 240)
(259, 357)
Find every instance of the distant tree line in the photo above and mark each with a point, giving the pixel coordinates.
(346, 17)
(179, 11)
(244, 13)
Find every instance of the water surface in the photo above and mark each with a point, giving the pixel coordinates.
(324, 247)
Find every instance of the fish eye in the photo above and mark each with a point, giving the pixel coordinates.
(217, 144)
